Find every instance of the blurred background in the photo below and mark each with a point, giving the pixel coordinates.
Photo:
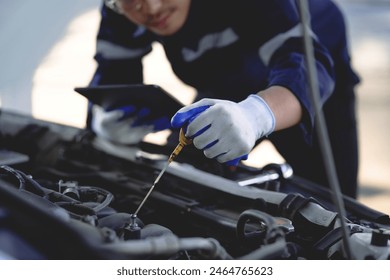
(47, 48)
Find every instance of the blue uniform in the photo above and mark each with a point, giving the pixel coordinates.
(229, 49)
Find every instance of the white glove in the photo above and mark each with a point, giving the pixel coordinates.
(123, 125)
(226, 130)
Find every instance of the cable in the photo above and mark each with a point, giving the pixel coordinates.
(321, 125)
(25, 182)
(96, 190)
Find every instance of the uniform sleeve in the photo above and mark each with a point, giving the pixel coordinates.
(120, 47)
(280, 47)
(288, 69)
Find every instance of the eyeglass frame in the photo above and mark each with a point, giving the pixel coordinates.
(113, 5)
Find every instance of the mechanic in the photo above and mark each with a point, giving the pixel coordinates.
(246, 61)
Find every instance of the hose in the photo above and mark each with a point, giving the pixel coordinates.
(167, 245)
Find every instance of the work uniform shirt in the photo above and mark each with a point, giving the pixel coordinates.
(229, 49)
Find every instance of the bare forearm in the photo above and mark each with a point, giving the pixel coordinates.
(285, 106)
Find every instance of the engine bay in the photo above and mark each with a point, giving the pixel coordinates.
(65, 194)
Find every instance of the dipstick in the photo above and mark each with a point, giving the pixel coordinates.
(183, 141)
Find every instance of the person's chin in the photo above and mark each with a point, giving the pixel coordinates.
(167, 31)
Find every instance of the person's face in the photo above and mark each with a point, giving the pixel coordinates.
(163, 17)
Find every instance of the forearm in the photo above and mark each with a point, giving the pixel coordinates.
(285, 106)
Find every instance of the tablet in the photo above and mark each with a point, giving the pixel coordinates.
(153, 97)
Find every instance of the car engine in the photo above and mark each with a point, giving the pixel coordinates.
(65, 194)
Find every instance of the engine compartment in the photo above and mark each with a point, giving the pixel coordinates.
(65, 194)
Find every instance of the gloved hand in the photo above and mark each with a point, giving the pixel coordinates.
(125, 125)
(226, 130)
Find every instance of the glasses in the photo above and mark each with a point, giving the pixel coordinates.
(121, 5)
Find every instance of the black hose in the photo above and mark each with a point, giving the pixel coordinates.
(271, 239)
(25, 181)
(269, 234)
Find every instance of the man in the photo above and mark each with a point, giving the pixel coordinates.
(247, 58)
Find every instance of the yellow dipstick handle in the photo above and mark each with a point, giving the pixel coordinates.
(183, 141)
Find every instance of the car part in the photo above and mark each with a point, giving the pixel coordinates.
(68, 195)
